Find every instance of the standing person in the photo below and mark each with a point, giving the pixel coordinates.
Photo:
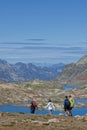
(33, 106)
(50, 106)
(71, 99)
(67, 106)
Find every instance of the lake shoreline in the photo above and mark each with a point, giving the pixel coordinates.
(14, 108)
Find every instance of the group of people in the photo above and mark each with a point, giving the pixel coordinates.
(50, 106)
(68, 105)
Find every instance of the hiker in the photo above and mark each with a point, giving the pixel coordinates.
(71, 99)
(67, 106)
(50, 106)
(33, 106)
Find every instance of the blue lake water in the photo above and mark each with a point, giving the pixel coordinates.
(26, 110)
(80, 100)
(79, 111)
(70, 87)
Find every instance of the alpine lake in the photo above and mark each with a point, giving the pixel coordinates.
(21, 108)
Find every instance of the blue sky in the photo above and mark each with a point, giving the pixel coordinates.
(43, 31)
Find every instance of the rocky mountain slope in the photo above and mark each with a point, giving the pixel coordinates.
(26, 72)
(25, 91)
(75, 73)
(41, 91)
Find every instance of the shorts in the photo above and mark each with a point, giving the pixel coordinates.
(32, 110)
(71, 108)
(50, 111)
(66, 108)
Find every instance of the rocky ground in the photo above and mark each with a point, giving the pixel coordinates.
(39, 90)
(11, 121)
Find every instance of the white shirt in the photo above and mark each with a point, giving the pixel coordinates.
(50, 106)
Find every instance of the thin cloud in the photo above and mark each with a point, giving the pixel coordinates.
(83, 42)
(36, 39)
(23, 43)
(53, 48)
(20, 43)
(39, 52)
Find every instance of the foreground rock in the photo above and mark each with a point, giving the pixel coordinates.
(17, 121)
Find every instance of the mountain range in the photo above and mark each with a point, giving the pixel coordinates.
(26, 72)
(65, 74)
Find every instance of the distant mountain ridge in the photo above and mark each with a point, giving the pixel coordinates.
(25, 72)
(75, 72)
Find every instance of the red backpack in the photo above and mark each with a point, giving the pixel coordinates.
(34, 104)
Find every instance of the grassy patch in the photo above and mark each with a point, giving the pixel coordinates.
(9, 125)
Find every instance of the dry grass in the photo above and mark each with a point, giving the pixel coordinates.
(41, 122)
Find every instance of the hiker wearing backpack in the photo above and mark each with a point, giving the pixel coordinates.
(71, 99)
(67, 106)
(33, 106)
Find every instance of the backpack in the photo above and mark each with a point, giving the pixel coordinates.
(67, 102)
(34, 104)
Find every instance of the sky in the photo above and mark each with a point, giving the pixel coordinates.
(43, 31)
